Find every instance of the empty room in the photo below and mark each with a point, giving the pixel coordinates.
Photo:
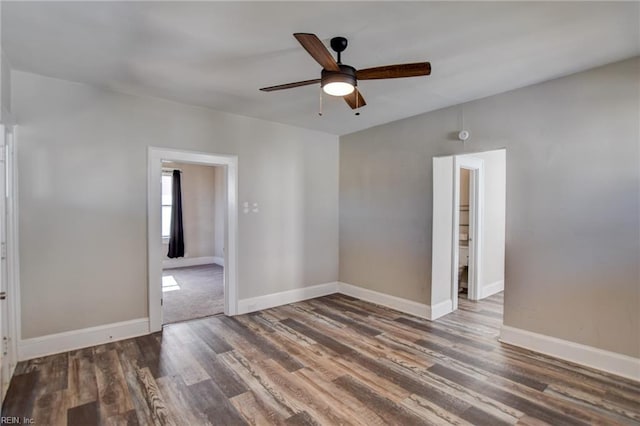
(270, 213)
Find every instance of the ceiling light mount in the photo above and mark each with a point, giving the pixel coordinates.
(339, 44)
(339, 83)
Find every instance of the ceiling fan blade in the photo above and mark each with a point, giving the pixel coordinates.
(317, 50)
(355, 99)
(290, 85)
(395, 71)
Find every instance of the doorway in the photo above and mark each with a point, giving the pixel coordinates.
(465, 211)
(469, 222)
(188, 270)
(193, 217)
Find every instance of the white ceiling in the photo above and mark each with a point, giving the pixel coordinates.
(217, 54)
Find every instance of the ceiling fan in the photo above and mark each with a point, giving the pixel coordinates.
(338, 79)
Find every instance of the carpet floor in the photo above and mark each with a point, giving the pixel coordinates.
(193, 292)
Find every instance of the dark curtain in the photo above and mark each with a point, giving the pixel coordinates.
(176, 236)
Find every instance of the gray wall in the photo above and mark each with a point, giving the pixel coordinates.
(5, 89)
(573, 214)
(83, 189)
(198, 210)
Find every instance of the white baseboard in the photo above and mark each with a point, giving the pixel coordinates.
(292, 296)
(285, 297)
(491, 289)
(183, 262)
(399, 304)
(218, 260)
(611, 362)
(69, 340)
(441, 309)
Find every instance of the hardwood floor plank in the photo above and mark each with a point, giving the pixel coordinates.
(264, 346)
(342, 304)
(252, 411)
(412, 385)
(348, 336)
(125, 419)
(229, 382)
(157, 406)
(604, 408)
(573, 373)
(309, 355)
(344, 403)
(86, 414)
(383, 407)
(129, 355)
(302, 396)
(326, 361)
(304, 313)
(209, 399)
(451, 337)
(21, 395)
(478, 417)
(370, 379)
(318, 337)
(270, 398)
(522, 404)
(51, 406)
(441, 397)
(153, 357)
(211, 339)
(55, 375)
(491, 409)
(301, 419)
(179, 352)
(432, 412)
(487, 366)
(81, 378)
(113, 392)
(177, 401)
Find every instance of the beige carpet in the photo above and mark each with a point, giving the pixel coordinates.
(193, 292)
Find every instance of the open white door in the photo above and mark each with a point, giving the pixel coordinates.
(442, 295)
(476, 212)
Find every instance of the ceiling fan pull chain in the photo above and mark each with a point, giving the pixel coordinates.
(320, 112)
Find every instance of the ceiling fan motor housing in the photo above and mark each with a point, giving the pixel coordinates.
(347, 74)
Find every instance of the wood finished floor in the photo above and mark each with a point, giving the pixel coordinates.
(333, 360)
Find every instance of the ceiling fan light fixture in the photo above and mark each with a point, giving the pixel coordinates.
(339, 83)
(338, 88)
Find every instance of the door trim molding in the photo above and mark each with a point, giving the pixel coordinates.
(13, 253)
(154, 223)
(476, 216)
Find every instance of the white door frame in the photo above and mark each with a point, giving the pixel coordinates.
(13, 251)
(12, 286)
(154, 222)
(476, 220)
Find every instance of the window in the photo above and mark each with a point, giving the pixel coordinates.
(166, 204)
